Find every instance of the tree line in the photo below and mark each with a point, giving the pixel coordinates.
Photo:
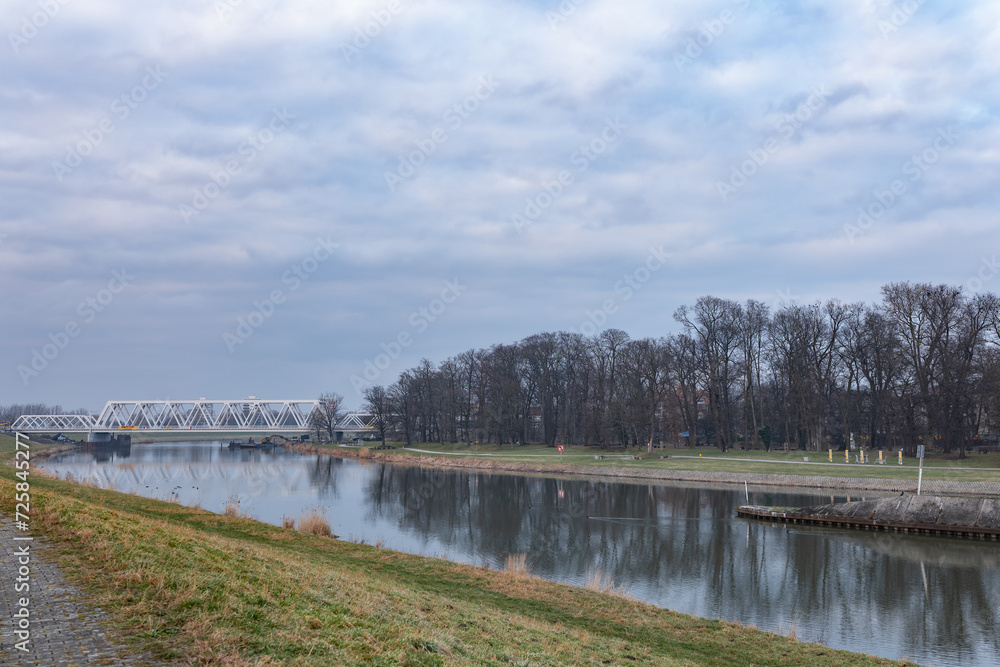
(919, 367)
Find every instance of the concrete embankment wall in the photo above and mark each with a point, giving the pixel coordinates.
(965, 517)
(924, 510)
(814, 482)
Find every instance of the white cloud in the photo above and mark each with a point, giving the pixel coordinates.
(558, 86)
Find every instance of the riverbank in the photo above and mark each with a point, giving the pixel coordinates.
(195, 587)
(683, 470)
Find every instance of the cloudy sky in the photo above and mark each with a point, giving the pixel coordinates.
(222, 198)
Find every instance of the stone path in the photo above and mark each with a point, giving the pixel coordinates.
(64, 630)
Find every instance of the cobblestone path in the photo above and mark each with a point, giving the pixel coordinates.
(64, 630)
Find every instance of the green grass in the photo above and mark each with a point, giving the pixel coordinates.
(202, 588)
(974, 468)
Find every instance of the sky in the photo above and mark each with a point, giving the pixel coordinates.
(224, 198)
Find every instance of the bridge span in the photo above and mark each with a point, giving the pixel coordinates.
(245, 415)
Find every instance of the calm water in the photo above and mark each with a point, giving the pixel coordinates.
(932, 600)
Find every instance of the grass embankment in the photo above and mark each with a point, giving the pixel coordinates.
(974, 468)
(203, 588)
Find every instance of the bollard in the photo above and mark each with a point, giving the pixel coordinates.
(831, 456)
(847, 456)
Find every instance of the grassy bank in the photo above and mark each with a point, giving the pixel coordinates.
(975, 468)
(202, 588)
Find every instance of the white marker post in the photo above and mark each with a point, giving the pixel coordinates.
(920, 473)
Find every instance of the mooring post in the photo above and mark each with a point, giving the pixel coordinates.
(747, 489)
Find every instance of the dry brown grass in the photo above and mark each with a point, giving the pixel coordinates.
(288, 522)
(517, 565)
(313, 520)
(792, 631)
(604, 583)
(232, 508)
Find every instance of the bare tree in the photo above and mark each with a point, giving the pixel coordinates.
(646, 366)
(377, 402)
(403, 405)
(684, 353)
(752, 329)
(326, 415)
(713, 324)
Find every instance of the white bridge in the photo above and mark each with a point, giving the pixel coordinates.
(245, 415)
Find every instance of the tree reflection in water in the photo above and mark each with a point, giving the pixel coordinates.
(680, 547)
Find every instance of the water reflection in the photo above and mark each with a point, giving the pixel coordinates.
(681, 547)
(677, 546)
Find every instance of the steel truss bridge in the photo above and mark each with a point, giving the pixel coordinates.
(245, 415)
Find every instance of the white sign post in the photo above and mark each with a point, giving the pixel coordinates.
(920, 473)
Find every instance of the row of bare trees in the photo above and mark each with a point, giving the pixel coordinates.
(921, 366)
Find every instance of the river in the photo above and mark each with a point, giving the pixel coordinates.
(679, 546)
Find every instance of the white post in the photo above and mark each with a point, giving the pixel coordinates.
(920, 475)
(747, 489)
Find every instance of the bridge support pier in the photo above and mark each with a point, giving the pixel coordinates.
(104, 438)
